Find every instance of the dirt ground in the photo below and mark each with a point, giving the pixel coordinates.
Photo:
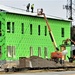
(43, 70)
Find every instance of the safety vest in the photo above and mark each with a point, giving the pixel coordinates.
(32, 6)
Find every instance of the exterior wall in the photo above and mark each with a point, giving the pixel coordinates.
(22, 43)
(2, 36)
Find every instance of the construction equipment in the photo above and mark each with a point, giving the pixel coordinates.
(40, 12)
(54, 55)
(65, 42)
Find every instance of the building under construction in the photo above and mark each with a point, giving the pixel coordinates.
(25, 34)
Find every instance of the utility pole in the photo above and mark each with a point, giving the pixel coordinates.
(68, 8)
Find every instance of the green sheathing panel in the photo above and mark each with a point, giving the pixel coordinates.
(2, 37)
(23, 42)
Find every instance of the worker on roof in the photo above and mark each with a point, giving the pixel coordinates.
(32, 8)
(28, 6)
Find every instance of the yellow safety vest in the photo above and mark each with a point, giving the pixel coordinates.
(32, 6)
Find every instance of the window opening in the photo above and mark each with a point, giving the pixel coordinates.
(45, 30)
(39, 51)
(22, 28)
(38, 29)
(8, 27)
(45, 52)
(31, 29)
(11, 51)
(62, 32)
(31, 51)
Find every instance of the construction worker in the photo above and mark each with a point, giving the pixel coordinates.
(41, 11)
(66, 41)
(32, 7)
(28, 6)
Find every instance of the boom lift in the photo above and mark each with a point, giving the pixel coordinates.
(54, 55)
(49, 29)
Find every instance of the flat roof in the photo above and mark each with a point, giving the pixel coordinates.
(24, 12)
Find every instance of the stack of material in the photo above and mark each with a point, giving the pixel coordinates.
(68, 64)
(35, 62)
(24, 62)
(38, 62)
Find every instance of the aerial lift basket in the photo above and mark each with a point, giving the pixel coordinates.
(39, 11)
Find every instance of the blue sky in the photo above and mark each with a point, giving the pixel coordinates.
(51, 7)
